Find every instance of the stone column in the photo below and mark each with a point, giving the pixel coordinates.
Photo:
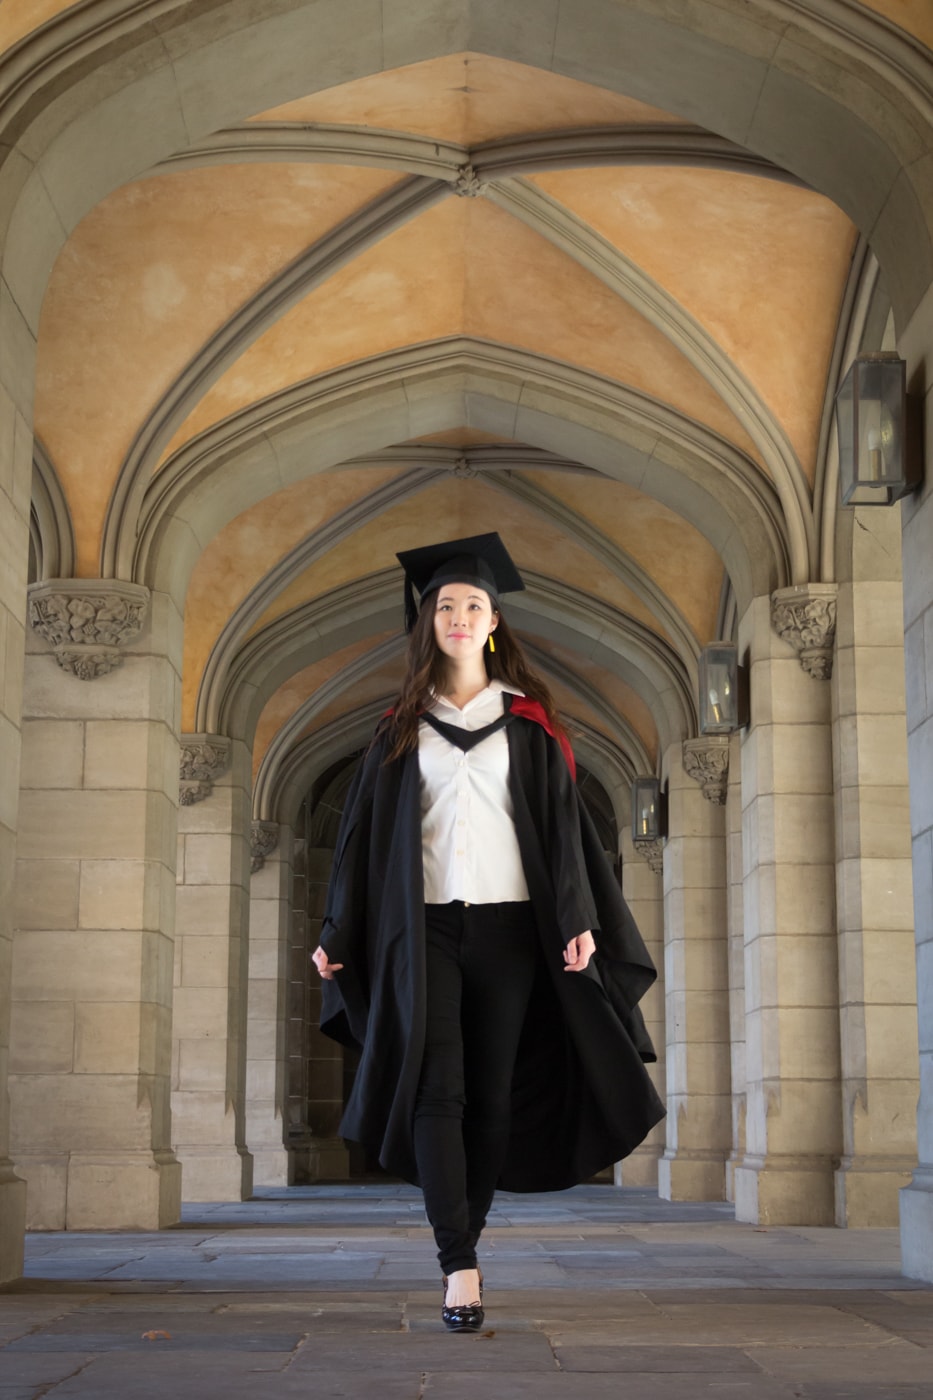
(696, 992)
(916, 345)
(328, 1158)
(736, 927)
(211, 947)
(874, 897)
(793, 1125)
(15, 479)
(270, 912)
(642, 889)
(95, 901)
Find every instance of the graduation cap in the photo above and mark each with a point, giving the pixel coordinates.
(481, 560)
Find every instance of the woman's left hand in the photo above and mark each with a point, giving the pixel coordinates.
(579, 951)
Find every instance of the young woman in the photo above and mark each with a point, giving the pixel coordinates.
(468, 882)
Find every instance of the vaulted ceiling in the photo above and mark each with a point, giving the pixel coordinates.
(461, 295)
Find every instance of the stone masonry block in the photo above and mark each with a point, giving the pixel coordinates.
(208, 860)
(107, 1038)
(83, 825)
(118, 753)
(205, 962)
(78, 1112)
(202, 910)
(53, 754)
(85, 966)
(46, 894)
(112, 894)
(203, 1065)
(201, 1013)
(42, 1039)
(806, 971)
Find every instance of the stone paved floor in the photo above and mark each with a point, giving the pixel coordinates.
(330, 1292)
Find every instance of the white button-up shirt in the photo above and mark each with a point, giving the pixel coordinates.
(467, 831)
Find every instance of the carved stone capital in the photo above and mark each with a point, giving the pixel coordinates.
(87, 621)
(706, 761)
(653, 853)
(468, 184)
(263, 839)
(805, 616)
(202, 759)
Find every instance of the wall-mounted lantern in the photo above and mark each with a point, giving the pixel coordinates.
(649, 811)
(723, 690)
(879, 446)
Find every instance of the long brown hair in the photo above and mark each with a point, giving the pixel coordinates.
(427, 674)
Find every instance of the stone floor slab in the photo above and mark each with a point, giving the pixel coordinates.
(108, 1380)
(649, 1360)
(334, 1292)
(495, 1349)
(589, 1386)
(843, 1365)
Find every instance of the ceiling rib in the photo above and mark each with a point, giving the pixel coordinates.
(337, 248)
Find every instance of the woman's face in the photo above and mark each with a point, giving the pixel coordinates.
(463, 619)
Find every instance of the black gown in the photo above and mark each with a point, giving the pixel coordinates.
(581, 1096)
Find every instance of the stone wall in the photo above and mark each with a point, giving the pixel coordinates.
(916, 345)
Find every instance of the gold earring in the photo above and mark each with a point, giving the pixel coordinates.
(492, 645)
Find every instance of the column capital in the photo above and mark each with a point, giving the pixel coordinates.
(653, 853)
(263, 839)
(87, 621)
(805, 616)
(202, 759)
(706, 761)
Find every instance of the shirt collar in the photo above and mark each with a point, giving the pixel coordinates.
(493, 688)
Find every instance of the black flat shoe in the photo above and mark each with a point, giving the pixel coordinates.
(466, 1318)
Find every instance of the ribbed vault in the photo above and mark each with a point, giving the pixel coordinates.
(343, 277)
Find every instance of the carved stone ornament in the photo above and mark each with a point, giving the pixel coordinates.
(87, 621)
(653, 853)
(706, 761)
(468, 184)
(202, 759)
(805, 616)
(263, 839)
(463, 470)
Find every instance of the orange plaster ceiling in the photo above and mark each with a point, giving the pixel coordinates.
(247, 548)
(787, 249)
(379, 683)
(145, 279)
(293, 693)
(670, 550)
(455, 509)
(20, 17)
(913, 16)
(623, 699)
(464, 268)
(469, 98)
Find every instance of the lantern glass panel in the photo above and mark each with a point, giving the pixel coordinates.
(871, 418)
(646, 809)
(723, 702)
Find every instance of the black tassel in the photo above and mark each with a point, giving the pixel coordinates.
(411, 610)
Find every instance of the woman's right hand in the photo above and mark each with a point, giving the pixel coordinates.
(323, 964)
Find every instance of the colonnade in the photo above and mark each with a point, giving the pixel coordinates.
(163, 1041)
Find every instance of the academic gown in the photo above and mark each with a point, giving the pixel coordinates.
(581, 1097)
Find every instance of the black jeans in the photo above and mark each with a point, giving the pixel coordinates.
(481, 961)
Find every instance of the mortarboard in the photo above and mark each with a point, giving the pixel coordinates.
(482, 560)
